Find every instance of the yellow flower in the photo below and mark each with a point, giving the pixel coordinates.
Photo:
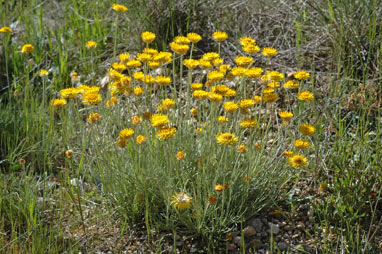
(248, 123)
(218, 61)
(288, 153)
(227, 139)
(179, 48)
(124, 57)
(256, 99)
(180, 155)
(297, 161)
(242, 148)
(194, 111)
(163, 80)
(182, 40)
(274, 76)
(239, 71)
(307, 129)
(247, 40)
(290, 84)
(269, 52)
(246, 104)
(68, 154)
(218, 187)
(219, 36)
(93, 117)
(91, 45)
(299, 143)
(166, 133)
(200, 94)
(230, 106)
(43, 73)
(205, 64)
(268, 90)
(140, 140)
(301, 75)
(191, 63)
(119, 8)
(69, 93)
(144, 57)
(136, 120)
(159, 120)
(138, 91)
(166, 104)
(273, 84)
(215, 97)
(120, 67)
(27, 49)
(114, 75)
(110, 103)
(148, 37)
(154, 65)
(5, 29)
(270, 97)
(244, 61)
(163, 57)
(224, 68)
(194, 37)
(91, 98)
(230, 93)
(251, 48)
(57, 103)
(133, 63)
(253, 72)
(197, 86)
(126, 133)
(286, 116)
(121, 142)
(222, 119)
(305, 96)
(210, 56)
(181, 201)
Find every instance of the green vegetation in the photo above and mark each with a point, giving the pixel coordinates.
(97, 171)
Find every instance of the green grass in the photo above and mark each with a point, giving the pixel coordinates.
(53, 204)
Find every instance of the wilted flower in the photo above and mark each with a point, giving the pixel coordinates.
(93, 117)
(181, 201)
(242, 148)
(68, 154)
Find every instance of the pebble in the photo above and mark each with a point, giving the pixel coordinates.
(249, 231)
(256, 244)
(273, 229)
(232, 246)
(300, 226)
(282, 246)
(237, 239)
(256, 223)
(288, 228)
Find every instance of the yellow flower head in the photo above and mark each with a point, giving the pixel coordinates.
(239, 71)
(290, 84)
(246, 103)
(181, 201)
(299, 143)
(194, 111)
(215, 76)
(191, 63)
(182, 40)
(307, 129)
(119, 8)
(154, 65)
(126, 133)
(166, 133)
(91, 45)
(91, 98)
(205, 64)
(43, 73)
(68, 154)
(58, 103)
(219, 187)
(159, 120)
(274, 76)
(244, 61)
(69, 93)
(124, 57)
(180, 49)
(224, 68)
(194, 37)
(270, 97)
(140, 140)
(5, 29)
(305, 96)
(120, 67)
(144, 57)
(27, 49)
(251, 48)
(150, 51)
(180, 155)
(163, 80)
(197, 86)
(220, 36)
(148, 37)
(227, 139)
(230, 107)
(301, 75)
(200, 94)
(166, 104)
(242, 148)
(138, 91)
(133, 63)
(93, 117)
(136, 120)
(286, 116)
(222, 119)
(253, 72)
(288, 153)
(163, 57)
(215, 97)
(273, 84)
(269, 52)
(248, 123)
(247, 40)
(230, 93)
(297, 161)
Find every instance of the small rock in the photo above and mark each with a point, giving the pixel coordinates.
(282, 246)
(300, 226)
(232, 246)
(288, 228)
(256, 223)
(249, 231)
(179, 243)
(256, 244)
(237, 239)
(273, 229)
